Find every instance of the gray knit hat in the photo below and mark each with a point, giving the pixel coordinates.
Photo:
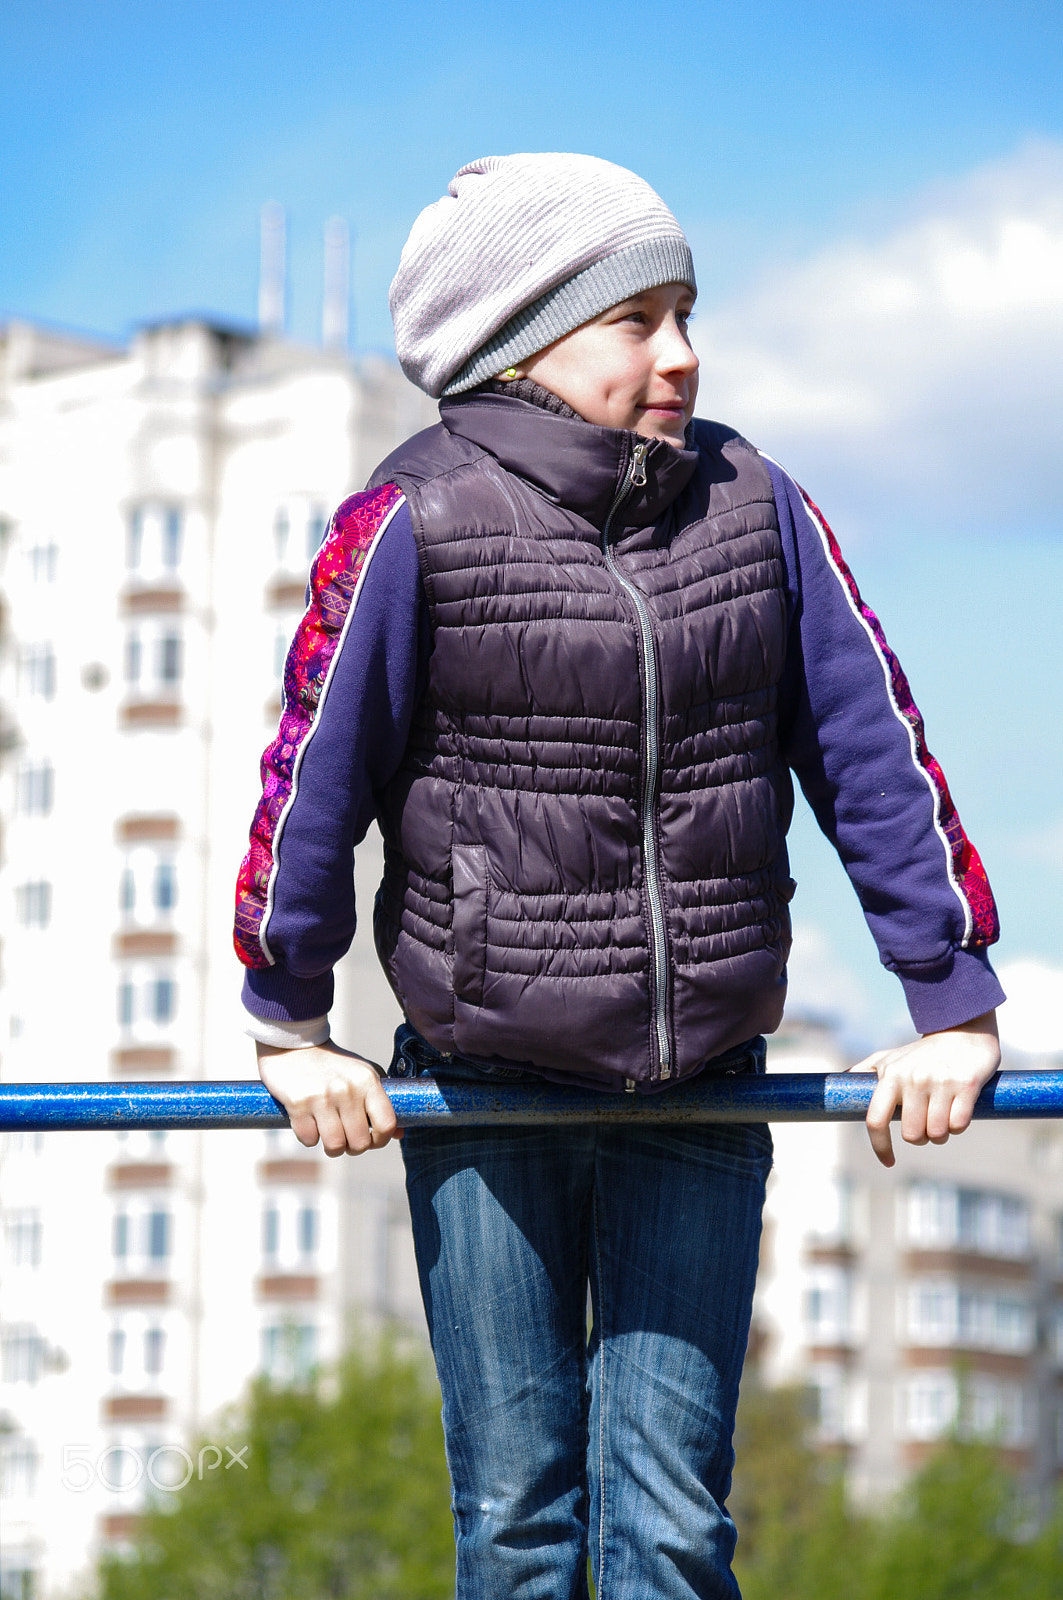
(518, 252)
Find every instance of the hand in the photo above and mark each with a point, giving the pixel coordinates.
(935, 1081)
(332, 1094)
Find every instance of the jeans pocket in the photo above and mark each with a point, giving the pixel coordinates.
(469, 864)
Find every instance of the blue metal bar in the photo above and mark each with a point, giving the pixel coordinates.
(422, 1102)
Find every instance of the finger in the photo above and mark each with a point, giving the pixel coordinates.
(870, 1063)
(914, 1105)
(879, 1114)
(939, 1115)
(304, 1126)
(330, 1125)
(962, 1108)
(381, 1114)
(357, 1132)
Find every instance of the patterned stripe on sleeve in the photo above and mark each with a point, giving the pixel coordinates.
(335, 579)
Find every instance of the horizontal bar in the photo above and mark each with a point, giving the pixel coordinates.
(422, 1102)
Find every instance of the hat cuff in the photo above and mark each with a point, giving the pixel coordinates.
(585, 295)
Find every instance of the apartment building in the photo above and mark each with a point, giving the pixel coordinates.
(921, 1299)
(159, 505)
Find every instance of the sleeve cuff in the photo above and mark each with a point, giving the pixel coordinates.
(273, 994)
(950, 995)
(288, 1035)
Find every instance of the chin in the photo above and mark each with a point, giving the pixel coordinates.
(673, 436)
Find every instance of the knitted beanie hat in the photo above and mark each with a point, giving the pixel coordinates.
(518, 252)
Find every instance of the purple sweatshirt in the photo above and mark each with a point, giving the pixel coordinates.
(848, 728)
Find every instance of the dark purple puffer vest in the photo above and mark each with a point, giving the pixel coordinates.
(585, 860)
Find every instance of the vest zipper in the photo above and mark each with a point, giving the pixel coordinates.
(635, 479)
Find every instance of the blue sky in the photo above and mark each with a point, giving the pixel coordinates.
(875, 198)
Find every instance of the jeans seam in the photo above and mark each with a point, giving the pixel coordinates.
(601, 1589)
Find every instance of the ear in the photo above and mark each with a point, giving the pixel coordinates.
(509, 375)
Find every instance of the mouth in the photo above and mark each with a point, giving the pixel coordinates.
(665, 408)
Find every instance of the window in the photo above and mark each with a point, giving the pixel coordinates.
(840, 1404)
(142, 1236)
(942, 1216)
(158, 1235)
(316, 527)
(281, 529)
(127, 890)
(993, 1224)
(17, 1583)
(33, 904)
(1055, 1335)
(134, 538)
(38, 670)
(18, 1469)
(147, 885)
(154, 1351)
(134, 656)
(171, 537)
(116, 1351)
(998, 1409)
(147, 999)
(43, 560)
(288, 1352)
(126, 1004)
(291, 1230)
(35, 788)
(941, 1312)
(828, 1318)
(154, 539)
(21, 1353)
(928, 1405)
(163, 1000)
(165, 895)
(22, 1237)
(168, 658)
(120, 1235)
(307, 1230)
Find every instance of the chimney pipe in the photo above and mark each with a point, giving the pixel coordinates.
(272, 269)
(336, 303)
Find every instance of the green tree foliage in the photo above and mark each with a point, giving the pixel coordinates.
(958, 1532)
(345, 1497)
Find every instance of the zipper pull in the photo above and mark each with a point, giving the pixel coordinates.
(638, 466)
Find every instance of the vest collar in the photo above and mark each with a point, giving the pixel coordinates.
(575, 464)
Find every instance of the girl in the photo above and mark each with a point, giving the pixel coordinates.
(566, 649)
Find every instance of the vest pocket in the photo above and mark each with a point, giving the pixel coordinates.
(469, 864)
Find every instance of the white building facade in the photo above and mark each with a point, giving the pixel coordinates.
(159, 506)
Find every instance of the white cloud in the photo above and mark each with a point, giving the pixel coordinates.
(929, 361)
(1031, 1019)
(1043, 845)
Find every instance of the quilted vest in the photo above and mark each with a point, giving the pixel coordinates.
(585, 858)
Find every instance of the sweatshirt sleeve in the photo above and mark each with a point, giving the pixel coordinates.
(853, 735)
(353, 676)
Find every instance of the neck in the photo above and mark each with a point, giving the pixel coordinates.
(534, 393)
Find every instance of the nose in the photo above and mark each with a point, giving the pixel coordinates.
(675, 354)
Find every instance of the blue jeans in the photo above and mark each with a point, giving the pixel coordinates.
(561, 1441)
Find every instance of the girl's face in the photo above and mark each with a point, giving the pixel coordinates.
(632, 367)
